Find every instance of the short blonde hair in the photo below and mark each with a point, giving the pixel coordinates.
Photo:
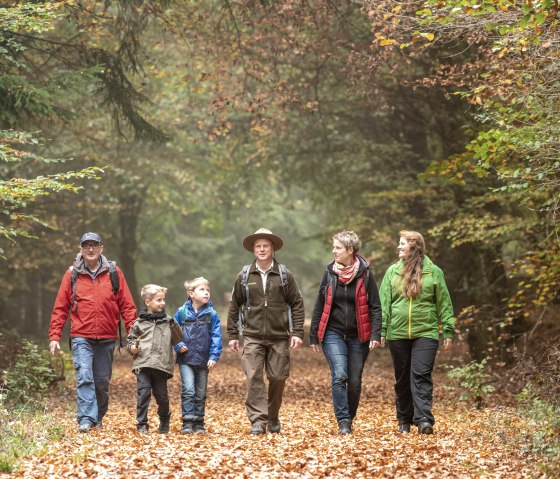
(150, 290)
(190, 285)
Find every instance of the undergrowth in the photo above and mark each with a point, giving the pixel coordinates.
(28, 375)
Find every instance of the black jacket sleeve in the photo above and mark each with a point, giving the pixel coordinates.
(374, 304)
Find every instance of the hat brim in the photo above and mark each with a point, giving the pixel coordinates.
(277, 242)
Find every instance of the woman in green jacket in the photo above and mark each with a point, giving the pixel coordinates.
(415, 301)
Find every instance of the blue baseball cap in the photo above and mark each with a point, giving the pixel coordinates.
(91, 237)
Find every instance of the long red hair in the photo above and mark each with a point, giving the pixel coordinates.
(412, 282)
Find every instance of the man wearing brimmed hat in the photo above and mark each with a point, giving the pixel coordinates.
(265, 293)
(95, 309)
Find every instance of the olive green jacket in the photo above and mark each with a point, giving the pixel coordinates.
(420, 317)
(266, 317)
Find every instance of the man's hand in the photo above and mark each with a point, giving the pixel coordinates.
(447, 342)
(374, 344)
(382, 342)
(54, 346)
(234, 345)
(315, 348)
(296, 342)
(211, 363)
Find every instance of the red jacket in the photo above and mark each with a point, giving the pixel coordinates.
(99, 310)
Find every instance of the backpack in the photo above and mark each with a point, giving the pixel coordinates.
(244, 284)
(113, 275)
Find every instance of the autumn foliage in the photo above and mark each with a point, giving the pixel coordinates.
(467, 442)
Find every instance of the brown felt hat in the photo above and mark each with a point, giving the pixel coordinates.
(277, 242)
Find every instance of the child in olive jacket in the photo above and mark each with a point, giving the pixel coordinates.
(150, 342)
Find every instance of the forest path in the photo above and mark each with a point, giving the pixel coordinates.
(466, 443)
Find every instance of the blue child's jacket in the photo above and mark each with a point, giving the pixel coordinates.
(202, 334)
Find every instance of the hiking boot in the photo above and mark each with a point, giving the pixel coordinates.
(344, 427)
(164, 424)
(274, 426)
(425, 427)
(258, 429)
(142, 429)
(85, 427)
(198, 428)
(404, 426)
(187, 427)
(98, 425)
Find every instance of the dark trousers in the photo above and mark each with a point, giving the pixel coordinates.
(413, 361)
(150, 381)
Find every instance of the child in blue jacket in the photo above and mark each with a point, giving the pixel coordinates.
(197, 353)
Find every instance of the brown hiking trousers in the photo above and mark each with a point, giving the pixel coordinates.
(272, 356)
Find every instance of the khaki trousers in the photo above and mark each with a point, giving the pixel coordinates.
(272, 356)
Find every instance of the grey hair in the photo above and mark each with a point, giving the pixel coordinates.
(150, 290)
(349, 239)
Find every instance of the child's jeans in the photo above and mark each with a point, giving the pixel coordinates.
(194, 382)
(151, 380)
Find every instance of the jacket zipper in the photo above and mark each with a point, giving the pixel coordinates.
(409, 318)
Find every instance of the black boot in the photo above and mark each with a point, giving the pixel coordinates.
(164, 424)
(198, 426)
(187, 427)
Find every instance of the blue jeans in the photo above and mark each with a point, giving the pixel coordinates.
(93, 361)
(194, 382)
(346, 358)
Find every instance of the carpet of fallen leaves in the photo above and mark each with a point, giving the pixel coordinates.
(466, 444)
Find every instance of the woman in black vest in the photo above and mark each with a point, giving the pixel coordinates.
(347, 321)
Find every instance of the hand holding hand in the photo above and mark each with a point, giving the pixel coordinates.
(374, 344)
(234, 345)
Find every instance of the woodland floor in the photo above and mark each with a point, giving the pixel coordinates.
(466, 443)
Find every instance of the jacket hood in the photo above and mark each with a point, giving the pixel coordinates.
(80, 264)
(208, 308)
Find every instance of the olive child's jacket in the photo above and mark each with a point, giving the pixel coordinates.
(155, 334)
(420, 317)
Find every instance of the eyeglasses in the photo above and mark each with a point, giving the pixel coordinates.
(89, 246)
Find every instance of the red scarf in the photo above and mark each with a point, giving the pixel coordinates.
(347, 273)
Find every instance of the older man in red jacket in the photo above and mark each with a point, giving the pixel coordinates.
(94, 310)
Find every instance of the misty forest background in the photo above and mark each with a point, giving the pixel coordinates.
(174, 129)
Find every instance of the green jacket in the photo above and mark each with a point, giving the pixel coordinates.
(409, 318)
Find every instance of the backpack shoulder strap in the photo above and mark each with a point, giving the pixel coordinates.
(73, 278)
(283, 279)
(244, 278)
(114, 277)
